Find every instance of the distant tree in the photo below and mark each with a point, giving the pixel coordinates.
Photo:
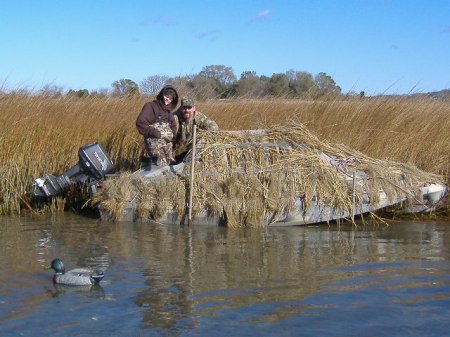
(100, 93)
(153, 84)
(291, 74)
(50, 90)
(219, 73)
(183, 84)
(325, 86)
(79, 93)
(248, 84)
(219, 81)
(278, 85)
(249, 75)
(264, 85)
(204, 87)
(264, 80)
(82, 93)
(124, 87)
(223, 77)
(301, 83)
(71, 93)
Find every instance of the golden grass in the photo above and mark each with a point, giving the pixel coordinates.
(40, 135)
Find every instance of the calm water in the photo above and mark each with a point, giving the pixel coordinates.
(210, 281)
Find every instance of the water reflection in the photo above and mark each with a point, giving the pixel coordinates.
(172, 279)
(88, 291)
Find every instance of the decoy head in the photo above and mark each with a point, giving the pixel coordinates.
(58, 266)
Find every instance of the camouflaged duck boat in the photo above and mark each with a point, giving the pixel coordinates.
(274, 177)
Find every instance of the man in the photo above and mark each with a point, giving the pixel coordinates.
(157, 124)
(185, 117)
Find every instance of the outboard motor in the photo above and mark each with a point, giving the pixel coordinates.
(94, 163)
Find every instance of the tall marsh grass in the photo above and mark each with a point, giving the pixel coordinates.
(42, 135)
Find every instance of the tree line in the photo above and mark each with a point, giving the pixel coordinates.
(219, 81)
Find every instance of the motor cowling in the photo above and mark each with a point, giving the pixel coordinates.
(94, 163)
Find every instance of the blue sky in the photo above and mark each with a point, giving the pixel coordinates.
(379, 46)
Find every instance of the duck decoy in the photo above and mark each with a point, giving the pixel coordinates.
(76, 277)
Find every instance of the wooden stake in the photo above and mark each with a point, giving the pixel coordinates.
(191, 181)
(354, 197)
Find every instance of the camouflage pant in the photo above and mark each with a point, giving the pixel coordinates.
(160, 149)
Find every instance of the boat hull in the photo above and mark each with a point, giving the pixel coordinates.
(315, 213)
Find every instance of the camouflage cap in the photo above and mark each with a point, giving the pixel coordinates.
(187, 101)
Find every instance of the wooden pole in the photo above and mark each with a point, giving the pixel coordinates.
(354, 197)
(191, 181)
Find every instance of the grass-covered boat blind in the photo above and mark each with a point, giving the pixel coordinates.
(251, 177)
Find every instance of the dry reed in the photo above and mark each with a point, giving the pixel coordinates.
(40, 135)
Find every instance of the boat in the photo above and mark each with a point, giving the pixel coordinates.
(272, 177)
